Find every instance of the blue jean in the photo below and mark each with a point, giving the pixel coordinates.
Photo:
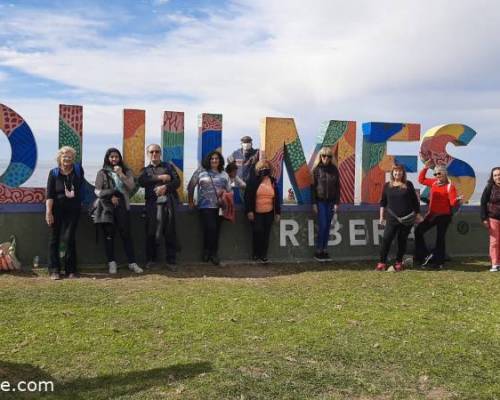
(324, 220)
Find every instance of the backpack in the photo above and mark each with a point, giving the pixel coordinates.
(8, 259)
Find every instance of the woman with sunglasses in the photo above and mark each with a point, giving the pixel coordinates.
(113, 185)
(325, 198)
(442, 199)
(399, 210)
(212, 182)
(490, 215)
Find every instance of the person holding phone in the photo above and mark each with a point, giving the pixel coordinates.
(113, 185)
(443, 198)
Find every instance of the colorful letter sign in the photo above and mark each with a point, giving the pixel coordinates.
(280, 142)
(173, 143)
(376, 162)
(433, 147)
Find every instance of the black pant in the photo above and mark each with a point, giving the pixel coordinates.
(441, 222)
(261, 228)
(392, 229)
(122, 224)
(210, 223)
(63, 229)
(155, 229)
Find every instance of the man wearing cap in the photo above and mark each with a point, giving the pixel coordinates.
(245, 158)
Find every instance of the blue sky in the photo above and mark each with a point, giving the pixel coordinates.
(412, 61)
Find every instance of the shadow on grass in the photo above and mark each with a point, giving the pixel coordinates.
(242, 270)
(101, 387)
(237, 270)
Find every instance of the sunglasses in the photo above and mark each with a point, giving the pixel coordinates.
(154, 152)
(438, 174)
(326, 155)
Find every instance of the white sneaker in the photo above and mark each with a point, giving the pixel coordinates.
(113, 268)
(134, 267)
(494, 268)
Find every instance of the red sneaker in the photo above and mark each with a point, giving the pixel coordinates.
(398, 266)
(381, 267)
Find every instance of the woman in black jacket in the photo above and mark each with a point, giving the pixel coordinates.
(63, 207)
(263, 207)
(490, 215)
(325, 198)
(400, 201)
(113, 185)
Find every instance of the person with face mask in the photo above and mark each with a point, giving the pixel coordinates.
(160, 181)
(443, 198)
(63, 207)
(245, 158)
(113, 185)
(262, 207)
(490, 216)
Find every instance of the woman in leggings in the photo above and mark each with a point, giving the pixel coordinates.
(399, 210)
(113, 185)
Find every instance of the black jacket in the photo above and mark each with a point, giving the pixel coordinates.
(401, 201)
(488, 210)
(251, 194)
(149, 180)
(326, 184)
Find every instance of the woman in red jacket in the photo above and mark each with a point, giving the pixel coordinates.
(443, 197)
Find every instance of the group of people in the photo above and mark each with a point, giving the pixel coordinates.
(258, 191)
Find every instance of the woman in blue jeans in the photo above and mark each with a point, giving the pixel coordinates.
(326, 197)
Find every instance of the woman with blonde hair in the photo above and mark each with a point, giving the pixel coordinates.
(263, 207)
(399, 211)
(490, 215)
(443, 198)
(325, 198)
(63, 206)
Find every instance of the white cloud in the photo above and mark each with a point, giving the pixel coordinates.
(409, 61)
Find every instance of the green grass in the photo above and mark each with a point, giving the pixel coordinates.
(252, 332)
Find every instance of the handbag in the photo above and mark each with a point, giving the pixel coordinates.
(221, 202)
(406, 220)
(8, 259)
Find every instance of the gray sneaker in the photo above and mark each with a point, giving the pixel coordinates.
(134, 267)
(427, 260)
(113, 268)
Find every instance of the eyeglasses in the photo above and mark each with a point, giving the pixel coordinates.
(326, 155)
(154, 152)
